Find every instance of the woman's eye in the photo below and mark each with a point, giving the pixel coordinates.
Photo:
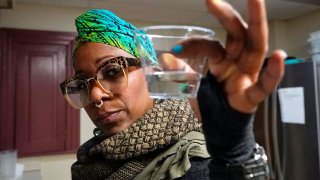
(76, 86)
(81, 85)
(111, 72)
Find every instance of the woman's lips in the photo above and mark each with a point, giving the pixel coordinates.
(108, 117)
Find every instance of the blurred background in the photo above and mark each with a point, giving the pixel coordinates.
(35, 45)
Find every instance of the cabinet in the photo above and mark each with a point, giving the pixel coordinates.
(34, 117)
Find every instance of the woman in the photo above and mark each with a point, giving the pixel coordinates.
(142, 138)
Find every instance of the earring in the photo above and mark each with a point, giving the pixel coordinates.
(97, 132)
(99, 105)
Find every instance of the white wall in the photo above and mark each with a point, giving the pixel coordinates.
(290, 35)
(27, 16)
(298, 30)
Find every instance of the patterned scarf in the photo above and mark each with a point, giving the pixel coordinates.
(103, 26)
(126, 154)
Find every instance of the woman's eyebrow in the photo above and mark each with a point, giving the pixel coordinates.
(78, 73)
(98, 60)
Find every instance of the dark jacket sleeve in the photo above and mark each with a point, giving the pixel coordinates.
(228, 133)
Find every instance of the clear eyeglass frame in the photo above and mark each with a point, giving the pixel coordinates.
(123, 62)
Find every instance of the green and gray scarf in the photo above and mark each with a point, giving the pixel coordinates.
(157, 146)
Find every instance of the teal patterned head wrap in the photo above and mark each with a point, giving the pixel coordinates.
(103, 26)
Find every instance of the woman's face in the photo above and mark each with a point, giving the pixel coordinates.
(121, 109)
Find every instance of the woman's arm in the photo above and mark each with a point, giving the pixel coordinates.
(229, 136)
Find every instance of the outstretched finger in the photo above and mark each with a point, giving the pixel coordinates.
(257, 37)
(234, 25)
(228, 17)
(199, 47)
(269, 78)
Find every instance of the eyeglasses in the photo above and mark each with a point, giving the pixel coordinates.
(111, 76)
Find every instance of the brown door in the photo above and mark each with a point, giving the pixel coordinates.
(41, 121)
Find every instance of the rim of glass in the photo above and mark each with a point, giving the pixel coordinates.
(210, 33)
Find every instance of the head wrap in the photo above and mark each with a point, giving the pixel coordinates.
(103, 26)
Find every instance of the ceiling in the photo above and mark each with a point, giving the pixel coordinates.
(190, 12)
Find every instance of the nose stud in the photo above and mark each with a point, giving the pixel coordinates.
(99, 105)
